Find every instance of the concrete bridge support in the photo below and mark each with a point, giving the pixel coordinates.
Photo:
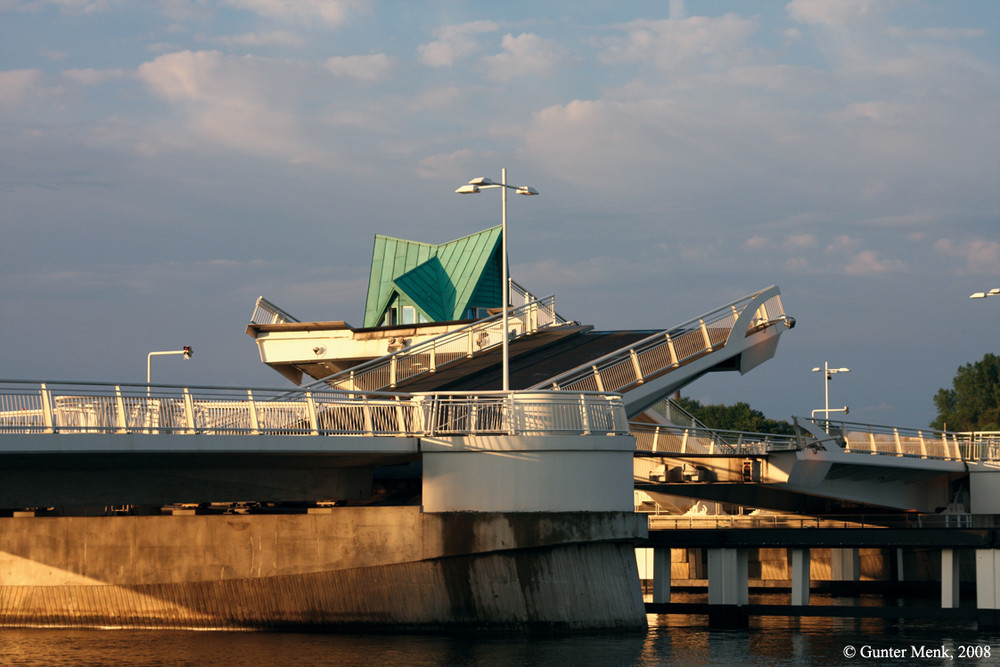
(728, 588)
(949, 579)
(661, 575)
(800, 576)
(845, 564)
(988, 588)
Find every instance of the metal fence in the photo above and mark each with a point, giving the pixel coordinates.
(29, 407)
(914, 443)
(430, 355)
(664, 351)
(854, 438)
(698, 440)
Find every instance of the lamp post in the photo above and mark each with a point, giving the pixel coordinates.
(473, 187)
(828, 373)
(982, 295)
(187, 352)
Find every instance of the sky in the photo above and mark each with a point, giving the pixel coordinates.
(163, 163)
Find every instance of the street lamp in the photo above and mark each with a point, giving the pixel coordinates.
(982, 295)
(187, 352)
(473, 187)
(828, 373)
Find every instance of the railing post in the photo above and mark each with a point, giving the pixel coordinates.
(597, 379)
(656, 438)
(392, 371)
(923, 445)
(188, 411)
(47, 410)
(434, 357)
(311, 408)
(673, 353)
(252, 405)
(402, 428)
(120, 405)
(684, 441)
(584, 414)
(704, 333)
(366, 406)
(635, 366)
(899, 443)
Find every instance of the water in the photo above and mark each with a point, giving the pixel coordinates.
(670, 640)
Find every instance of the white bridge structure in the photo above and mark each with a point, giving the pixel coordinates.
(904, 469)
(143, 445)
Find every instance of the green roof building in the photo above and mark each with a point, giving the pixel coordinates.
(414, 282)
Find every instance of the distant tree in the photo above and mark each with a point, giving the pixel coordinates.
(973, 402)
(737, 417)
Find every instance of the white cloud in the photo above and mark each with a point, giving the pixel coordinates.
(800, 241)
(944, 34)
(979, 256)
(758, 243)
(526, 54)
(449, 165)
(229, 100)
(373, 67)
(454, 43)
(270, 38)
(331, 12)
(668, 43)
(18, 86)
(835, 13)
(868, 261)
(93, 77)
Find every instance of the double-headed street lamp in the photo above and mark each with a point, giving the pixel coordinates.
(982, 295)
(473, 187)
(828, 374)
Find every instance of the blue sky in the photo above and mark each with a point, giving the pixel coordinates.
(163, 163)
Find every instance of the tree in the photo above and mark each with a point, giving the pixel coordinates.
(737, 417)
(973, 402)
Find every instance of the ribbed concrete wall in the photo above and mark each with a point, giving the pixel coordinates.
(367, 566)
(571, 587)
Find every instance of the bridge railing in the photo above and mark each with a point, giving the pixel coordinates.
(670, 439)
(664, 351)
(978, 447)
(69, 408)
(430, 355)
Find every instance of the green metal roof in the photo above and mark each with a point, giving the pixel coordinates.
(441, 281)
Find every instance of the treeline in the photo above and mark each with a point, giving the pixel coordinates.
(973, 402)
(737, 417)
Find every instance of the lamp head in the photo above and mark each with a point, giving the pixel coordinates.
(469, 189)
(527, 190)
(482, 180)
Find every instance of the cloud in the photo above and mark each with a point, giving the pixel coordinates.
(835, 13)
(330, 12)
(93, 77)
(800, 241)
(451, 165)
(454, 43)
(526, 54)
(374, 67)
(19, 86)
(868, 261)
(668, 43)
(270, 38)
(979, 256)
(230, 100)
(944, 34)
(758, 243)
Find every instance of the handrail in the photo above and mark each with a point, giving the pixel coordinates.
(875, 439)
(265, 312)
(668, 439)
(430, 355)
(66, 408)
(852, 438)
(666, 350)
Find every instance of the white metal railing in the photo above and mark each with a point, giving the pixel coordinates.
(976, 447)
(29, 407)
(265, 312)
(430, 355)
(699, 440)
(667, 350)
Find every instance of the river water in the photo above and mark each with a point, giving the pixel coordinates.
(670, 640)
